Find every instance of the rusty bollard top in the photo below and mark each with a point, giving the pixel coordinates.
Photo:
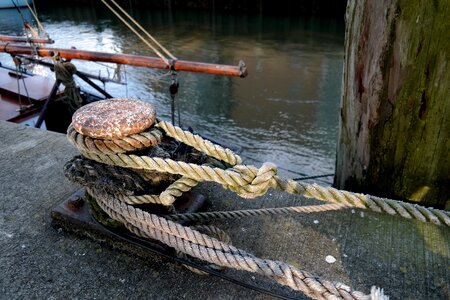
(113, 118)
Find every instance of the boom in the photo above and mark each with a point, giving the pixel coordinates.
(128, 59)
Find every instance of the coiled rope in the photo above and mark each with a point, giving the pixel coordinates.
(246, 181)
(211, 250)
(126, 159)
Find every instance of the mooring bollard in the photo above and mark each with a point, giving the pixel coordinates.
(127, 126)
(113, 119)
(135, 167)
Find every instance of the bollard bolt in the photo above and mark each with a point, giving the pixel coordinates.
(75, 203)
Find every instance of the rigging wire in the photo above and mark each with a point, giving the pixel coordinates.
(24, 22)
(126, 80)
(143, 30)
(163, 58)
(34, 14)
(168, 60)
(19, 76)
(104, 65)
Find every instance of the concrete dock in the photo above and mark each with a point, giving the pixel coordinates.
(408, 258)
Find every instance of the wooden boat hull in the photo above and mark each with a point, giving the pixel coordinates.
(22, 98)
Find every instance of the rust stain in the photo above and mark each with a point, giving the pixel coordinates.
(113, 118)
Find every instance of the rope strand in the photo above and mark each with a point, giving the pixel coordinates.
(163, 58)
(244, 213)
(143, 30)
(34, 14)
(245, 180)
(213, 251)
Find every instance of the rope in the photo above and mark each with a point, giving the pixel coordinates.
(247, 181)
(213, 251)
(377, 204)
(250, 182)
(143, 30)
(166, 61)
(64, 71)
(34, 13)
(126, 184)
(148, 138)
(244, 213)
(200, 143)
(213, 232)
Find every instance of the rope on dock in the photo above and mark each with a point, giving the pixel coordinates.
(225, 168)
(148, 138)
(250, 182)
(244, 213)
(185, 239)
(211, 250)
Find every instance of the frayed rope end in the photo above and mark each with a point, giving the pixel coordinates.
(377, 294)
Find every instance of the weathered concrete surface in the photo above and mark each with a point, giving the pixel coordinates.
(410, 260)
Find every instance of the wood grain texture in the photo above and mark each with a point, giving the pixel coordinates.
(394, 137)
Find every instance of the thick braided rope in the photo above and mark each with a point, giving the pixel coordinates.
(148, 138)
(139, 199)
(132, 214)
(200, 143)
(166, 198)
(212, 231)
(211, 250)
(230, 178)
(176, 189)
(250, 182)
(377, 204)
(244, 213)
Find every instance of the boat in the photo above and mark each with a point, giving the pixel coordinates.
(31, 99)
(27, 98)
(22, 95)
(34, 100)
(14, 3)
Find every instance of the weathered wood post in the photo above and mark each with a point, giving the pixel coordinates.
(394, 137)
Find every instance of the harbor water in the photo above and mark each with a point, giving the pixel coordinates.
(286, 111)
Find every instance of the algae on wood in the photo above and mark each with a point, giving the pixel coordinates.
(394, 137)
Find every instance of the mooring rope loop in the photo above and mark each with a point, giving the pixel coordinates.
(146, 139)
(211, 250)
(199, 143)
(249, 182)
(246, 180)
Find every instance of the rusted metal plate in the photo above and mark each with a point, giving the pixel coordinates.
(78, 219)
(74, 214)
(113, 118)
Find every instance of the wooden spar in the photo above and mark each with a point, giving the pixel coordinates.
(128, 59)
(22, 39)
(79, 73)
